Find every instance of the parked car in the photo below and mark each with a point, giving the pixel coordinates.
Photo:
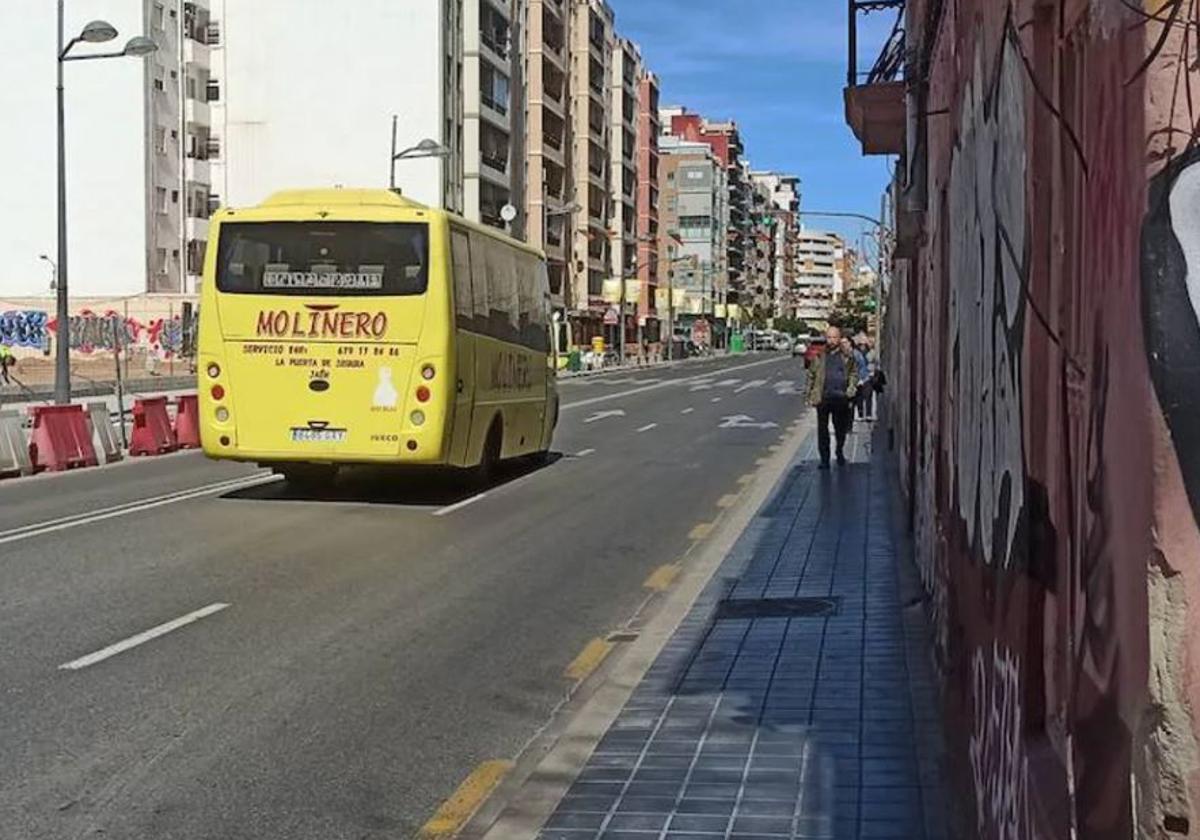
(799, 347)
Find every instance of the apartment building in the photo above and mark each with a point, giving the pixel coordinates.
(781, 207)
(444, 68)
(725, 140)
(621, 288)
(648, 196)
(694, 212)
(549, 187)
(819, 282)
(136, 147)
(493, 79)
(590, 60)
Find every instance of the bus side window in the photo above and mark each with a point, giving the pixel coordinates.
(464, 301)
(503, 298)
(527, 281)
(480, 283)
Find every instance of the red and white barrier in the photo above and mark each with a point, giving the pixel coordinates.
(187, 421)
(152, 432)
(14, 446)
(61, 438)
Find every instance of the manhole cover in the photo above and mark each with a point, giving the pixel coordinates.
(778, 608)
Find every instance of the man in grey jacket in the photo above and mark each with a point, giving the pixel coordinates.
(832, 384)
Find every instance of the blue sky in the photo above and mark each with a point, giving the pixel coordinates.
(777, 67)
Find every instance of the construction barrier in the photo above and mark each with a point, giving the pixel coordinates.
(152, 433)
(14, 447)
(187, 421)
(104, 435)
(61, 439)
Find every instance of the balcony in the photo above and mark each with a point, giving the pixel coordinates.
(196, 53)
(875, 102)
(196, 112)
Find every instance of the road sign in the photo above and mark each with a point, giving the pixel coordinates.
(702, 331)
(612, 317)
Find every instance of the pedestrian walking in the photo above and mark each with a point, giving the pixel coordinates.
(832, 385)
(7, 360)
(869, 362)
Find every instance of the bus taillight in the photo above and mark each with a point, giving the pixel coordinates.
(423, 394)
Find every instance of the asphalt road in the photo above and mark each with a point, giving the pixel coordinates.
(350, 659)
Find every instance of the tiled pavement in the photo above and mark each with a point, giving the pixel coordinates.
(793, 701)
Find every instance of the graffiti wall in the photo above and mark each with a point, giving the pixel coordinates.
(158, 325)
(1044, 347)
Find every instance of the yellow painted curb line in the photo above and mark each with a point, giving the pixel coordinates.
(589, 660)
(746, 479)
(727, 501)
(455, 811)
(662, 577)
(701, 531)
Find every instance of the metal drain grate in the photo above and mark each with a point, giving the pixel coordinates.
(744, 608)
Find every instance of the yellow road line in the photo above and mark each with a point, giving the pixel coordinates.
(662, 578)
(727, 501)
(455, 811)
(700, 531)
(589, 660)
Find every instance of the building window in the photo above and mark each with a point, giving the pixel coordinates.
(160, 199)
(160, 140)
(174, 196)
(157, 17)
(159, 84)
(213, 91)
(160, 258)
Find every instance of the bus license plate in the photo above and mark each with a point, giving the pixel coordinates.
(318, 435)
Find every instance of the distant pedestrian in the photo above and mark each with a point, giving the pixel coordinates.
(832, 384)
(868, 362)
(7, 360)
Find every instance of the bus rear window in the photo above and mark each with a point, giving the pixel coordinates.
(323, 258)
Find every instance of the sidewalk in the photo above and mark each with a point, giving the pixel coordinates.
(795, 700)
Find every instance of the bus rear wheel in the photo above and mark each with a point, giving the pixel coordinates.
(307, 477)
(484, 474)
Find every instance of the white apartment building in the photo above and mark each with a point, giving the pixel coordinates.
(137, 149)
(818, 282)
(443, 68)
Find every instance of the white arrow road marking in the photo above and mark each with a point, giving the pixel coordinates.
(695, 388)
(604, 415)
(784, 387)
(743, 421)
(141, 638)
(754, 383)
(728, 383)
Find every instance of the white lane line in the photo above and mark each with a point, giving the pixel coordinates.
(51, 526)
(449, 509)
(687, 411)
(583, 453)
(648, 427)
(141, 638)
(716, 399)
(669, 382)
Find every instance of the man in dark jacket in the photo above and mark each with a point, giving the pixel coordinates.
(832, 383)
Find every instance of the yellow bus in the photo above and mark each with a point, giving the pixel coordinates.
(358, 327)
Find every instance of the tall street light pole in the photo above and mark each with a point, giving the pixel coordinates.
(880, 230)
(425, 149)
(96, 32)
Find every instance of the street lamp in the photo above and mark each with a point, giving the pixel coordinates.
(95, 32)
(53, 271)
(425, 149)
(880, 229)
